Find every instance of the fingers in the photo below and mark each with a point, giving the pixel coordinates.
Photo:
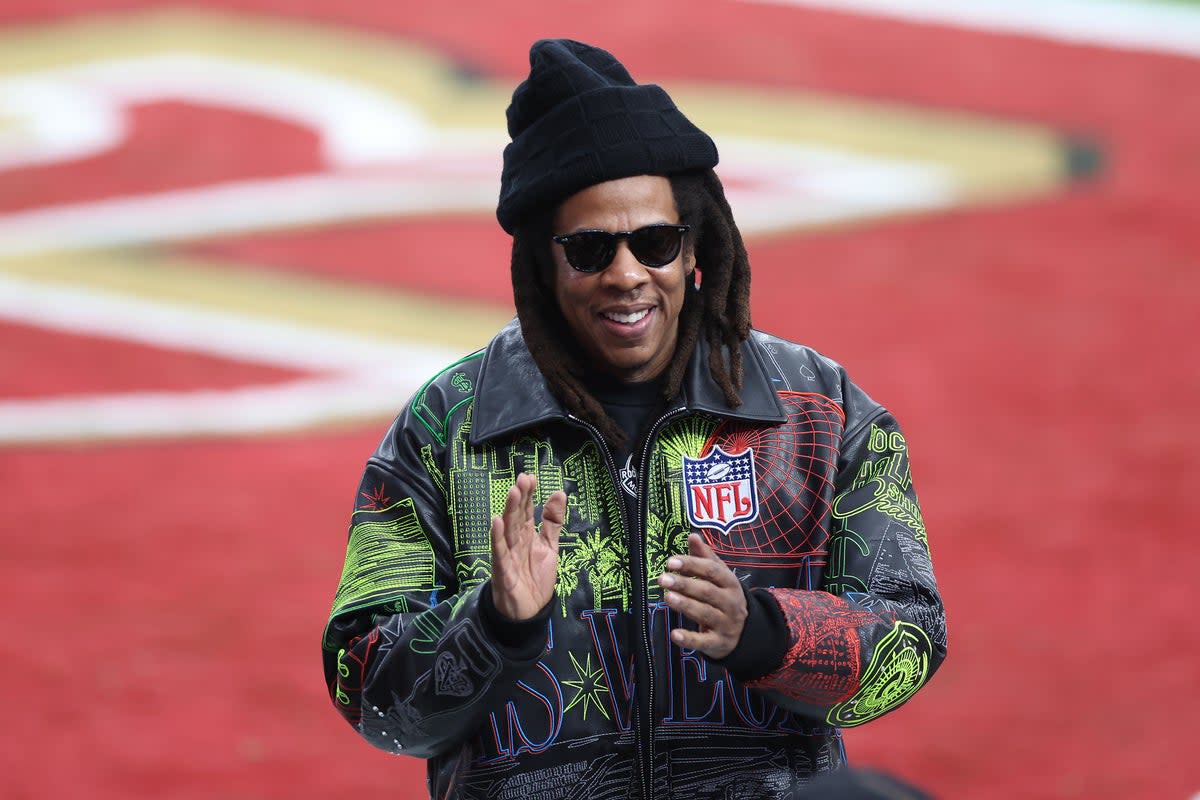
(702, 563)
(698, 547)
(517, 523)
(703, 605)
(704, 590)
(524, 558)
(499, 541)
(709, 643)
(719, 623)
(703, 602)
(517, 517)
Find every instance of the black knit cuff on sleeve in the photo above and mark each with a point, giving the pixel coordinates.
(520, 639)
(764, 639)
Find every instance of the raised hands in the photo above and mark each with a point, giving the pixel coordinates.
(524, 555)
(707, 592)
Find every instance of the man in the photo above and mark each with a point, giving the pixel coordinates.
(633, 548)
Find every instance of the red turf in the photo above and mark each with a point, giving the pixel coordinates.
(36, 362)
(164, 601)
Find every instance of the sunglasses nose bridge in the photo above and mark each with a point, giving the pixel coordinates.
(624, 268)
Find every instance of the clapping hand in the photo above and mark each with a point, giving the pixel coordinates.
(525, 555)
(704, 590)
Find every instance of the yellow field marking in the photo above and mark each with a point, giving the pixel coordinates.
(990, 158)
(993, 159)
(422, 76)
(318, 302)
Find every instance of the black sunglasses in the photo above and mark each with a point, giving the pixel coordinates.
(653, 245)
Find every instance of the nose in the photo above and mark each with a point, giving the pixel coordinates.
(625, 273)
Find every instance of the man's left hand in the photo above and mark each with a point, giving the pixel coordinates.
(707, 592)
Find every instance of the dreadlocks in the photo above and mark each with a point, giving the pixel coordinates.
(719, 310)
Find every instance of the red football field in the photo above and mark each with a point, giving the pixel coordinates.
(164, 597)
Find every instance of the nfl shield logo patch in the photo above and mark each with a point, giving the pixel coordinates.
(721, 489)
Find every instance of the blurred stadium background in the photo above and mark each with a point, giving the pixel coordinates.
(235, 235)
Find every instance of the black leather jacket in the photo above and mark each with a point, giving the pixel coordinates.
(595, 701)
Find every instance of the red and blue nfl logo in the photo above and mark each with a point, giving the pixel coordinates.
(721, 489)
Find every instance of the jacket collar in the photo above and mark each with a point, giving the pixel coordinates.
(511, 393)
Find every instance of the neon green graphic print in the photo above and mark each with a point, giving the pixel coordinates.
(439, 426)
(898, 668)
(603, 561)
(432, 468)
(586, 554)
(881, 484)
(477, 485)
(388, 555)
(344, 671)
(666, 528)
(839, 577)
(588, 685)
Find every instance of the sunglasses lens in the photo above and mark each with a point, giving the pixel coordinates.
(589, 251)
(656, 245)
(653, 245)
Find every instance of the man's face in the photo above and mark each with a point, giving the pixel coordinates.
(626, 316)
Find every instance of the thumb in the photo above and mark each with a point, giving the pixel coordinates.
(554, 516)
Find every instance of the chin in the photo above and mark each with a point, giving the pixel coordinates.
(625, 366)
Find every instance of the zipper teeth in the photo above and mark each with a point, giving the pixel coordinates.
(648, 769)
(612, 472)
(643, 475)
(646, 780)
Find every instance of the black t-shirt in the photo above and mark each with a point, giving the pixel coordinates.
(633, 407)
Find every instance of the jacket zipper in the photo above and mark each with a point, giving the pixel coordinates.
(644, 729)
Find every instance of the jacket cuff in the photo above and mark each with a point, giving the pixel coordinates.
(764, 640)
(519, 639)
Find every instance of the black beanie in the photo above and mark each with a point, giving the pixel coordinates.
(579, 119)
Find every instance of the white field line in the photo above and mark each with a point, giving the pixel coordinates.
(253, 409)
(231, 208)
(80, 110)
(359, 376)
(1119, 24)
(382, 158)
(92, 312)
(402, 167)
(773, 185)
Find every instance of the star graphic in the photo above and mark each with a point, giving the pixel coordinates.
(377, 499)
(589, 686)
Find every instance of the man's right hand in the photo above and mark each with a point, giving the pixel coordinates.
(524, 558)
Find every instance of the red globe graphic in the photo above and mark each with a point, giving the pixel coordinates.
(795, 464)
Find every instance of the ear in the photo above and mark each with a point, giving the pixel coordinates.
(689, 256)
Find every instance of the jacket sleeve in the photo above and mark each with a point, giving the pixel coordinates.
(409, 652)
(876, 633)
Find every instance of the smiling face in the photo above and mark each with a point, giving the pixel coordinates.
(626, 316)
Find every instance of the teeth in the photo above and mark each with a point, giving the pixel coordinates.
(627, 319)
